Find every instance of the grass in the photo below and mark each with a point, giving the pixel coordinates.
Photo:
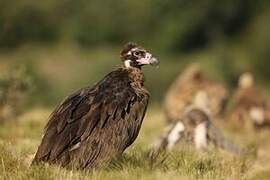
(19, 140)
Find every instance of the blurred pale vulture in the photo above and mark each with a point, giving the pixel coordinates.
(183, 89)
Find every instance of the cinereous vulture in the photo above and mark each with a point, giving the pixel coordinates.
(249, 107)
(98, 122)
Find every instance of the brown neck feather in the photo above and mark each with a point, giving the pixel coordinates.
(136, 75)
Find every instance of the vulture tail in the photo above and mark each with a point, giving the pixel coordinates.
(217, 138)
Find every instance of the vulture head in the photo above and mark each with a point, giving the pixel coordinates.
(246, 80)
(135, 56)
(193, 73)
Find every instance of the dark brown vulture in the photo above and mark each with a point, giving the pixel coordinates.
(95, 124)
(182, 91)
(196, 127)
(249, 106)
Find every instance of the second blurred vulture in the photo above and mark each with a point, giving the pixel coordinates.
(249, 106)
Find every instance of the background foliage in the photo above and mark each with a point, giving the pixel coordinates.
(226, 37)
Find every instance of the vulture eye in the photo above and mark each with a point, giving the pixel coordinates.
(136, 53)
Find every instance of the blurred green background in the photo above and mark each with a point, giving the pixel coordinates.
(69, 44)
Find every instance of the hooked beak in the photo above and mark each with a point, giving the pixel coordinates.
(154, 61)
(149, 59)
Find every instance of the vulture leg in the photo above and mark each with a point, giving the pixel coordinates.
(200, 136)
(171, 135)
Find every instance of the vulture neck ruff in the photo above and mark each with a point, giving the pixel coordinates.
(135, 75)
(127, 63)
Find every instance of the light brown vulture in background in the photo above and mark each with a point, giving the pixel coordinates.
(249, 106)
(96, 123)
(182, 91)
(196, 127)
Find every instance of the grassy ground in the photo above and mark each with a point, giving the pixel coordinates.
(19, 140)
